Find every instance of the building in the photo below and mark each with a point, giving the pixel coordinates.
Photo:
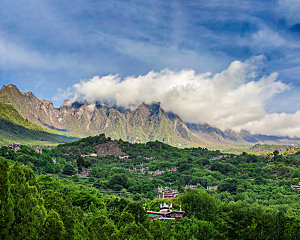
(15, 147)
(170, 195)
(166, 192)
(296, 186)
(192, 186)
(166, 213)
(39, 150)
(214, 187)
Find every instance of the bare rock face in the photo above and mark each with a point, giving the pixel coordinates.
(109, 148)
(30, 107)
(143, 124)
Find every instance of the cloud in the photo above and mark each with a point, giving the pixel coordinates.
(65, 41)
(14, 56)
(277, 124)
(160, 54)
(91, 107)
(290, 10)
(266, 38)
(64, 94)
(232, 99)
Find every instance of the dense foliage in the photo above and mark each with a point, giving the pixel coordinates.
(68, 192)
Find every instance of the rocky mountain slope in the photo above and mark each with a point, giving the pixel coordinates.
(14, 128)
(145, 123)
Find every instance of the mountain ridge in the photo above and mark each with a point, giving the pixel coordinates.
(14, 128)
(147, 122)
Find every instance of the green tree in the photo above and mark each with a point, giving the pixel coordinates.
(125, 218)
(53, 227)
(229, 185)
(6, 201)
(199, 204)
(80, 163)
(99, 227)
(118, 182)
(137, 210)
(115, 206)
(7, 153)
(134, 231)
(84, 198)
(28, 204)
(62, 204)
(49, 168)
(69, 170)
(276, 153)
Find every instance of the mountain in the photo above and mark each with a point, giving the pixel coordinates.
(143, 124)
(30, 107)
(14, 128)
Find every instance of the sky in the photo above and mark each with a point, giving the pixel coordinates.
(233, 64)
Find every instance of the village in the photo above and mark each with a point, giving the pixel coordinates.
(145, 170)
(166, 210)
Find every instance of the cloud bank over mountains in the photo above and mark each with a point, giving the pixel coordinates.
(51, 44)
(232, 99)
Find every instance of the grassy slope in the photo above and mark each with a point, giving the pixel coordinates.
(15, 129)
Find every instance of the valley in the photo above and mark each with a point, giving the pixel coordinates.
(100, 188)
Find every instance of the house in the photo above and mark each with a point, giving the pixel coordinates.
(133, 170)
(89, 155)
(170, 195)
(166, 213)
(15, 147)
(214, 187)
(166, 192)
(192, 186)
(296, 186)
(39, 150)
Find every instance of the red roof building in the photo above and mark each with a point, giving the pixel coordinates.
(296, 186)
(166, 213)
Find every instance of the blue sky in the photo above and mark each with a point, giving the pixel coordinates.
(54, 44)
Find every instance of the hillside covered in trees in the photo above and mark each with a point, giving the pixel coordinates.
(96, 188)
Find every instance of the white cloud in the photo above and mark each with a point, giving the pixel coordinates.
(91, 107)
(15, 56)
(277, 124)
(12, 56)
(234, 98)
(266, 38)
(161, 54)
(64, 94)
(290, 10)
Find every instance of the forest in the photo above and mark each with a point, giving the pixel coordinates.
(79, 191)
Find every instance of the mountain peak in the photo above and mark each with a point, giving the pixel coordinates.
(146, 122)
(66, 103)
(13, 89)
(9, 86)
(8, 92)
